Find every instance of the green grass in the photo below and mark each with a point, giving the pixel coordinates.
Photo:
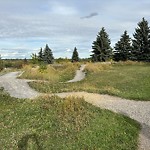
(131, 81)
(71, 123)
(66, 124)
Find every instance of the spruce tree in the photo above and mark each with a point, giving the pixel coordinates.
(34, 58)
(102, 50)
(48, 55)
(141, 42)
(40, 55)
(123, 48)
(75, 55)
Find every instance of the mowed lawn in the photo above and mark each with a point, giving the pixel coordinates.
(128, 80)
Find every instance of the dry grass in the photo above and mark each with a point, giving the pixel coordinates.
(97, 67)
(52, 73)
(49, 73)
(129, 62)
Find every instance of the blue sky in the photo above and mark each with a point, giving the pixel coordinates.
(27, 25)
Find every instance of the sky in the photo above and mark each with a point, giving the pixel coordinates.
(28, 25)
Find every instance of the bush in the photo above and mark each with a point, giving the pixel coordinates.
(18, 64)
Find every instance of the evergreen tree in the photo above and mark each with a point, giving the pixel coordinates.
(34, 58)
(48, 55)
(1, 64)
(141, 42)
(102, 50)
(75, 55)
(123, 48)
(40, 55)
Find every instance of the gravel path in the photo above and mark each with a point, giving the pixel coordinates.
(18, 88)
(80, 75)
(137, 110)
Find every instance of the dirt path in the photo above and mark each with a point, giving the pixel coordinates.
(80, 75)
(18, 88)
(137, 110)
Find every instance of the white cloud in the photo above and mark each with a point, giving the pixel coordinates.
(63, 10)
(25, 26)
(68, 50)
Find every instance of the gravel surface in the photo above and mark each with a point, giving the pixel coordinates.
(18, 88)
(80, 75)
(137, 110)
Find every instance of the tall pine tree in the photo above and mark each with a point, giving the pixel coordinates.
(123, 48)
(141, 42)
(40, 55)
(75, 55)
(48, 55)
(102, 50)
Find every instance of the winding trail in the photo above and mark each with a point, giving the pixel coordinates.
(80, 75)
(18, 88)
(137, 110)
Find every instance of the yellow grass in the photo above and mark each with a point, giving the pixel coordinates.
(96, 67)
(52, 73)
(49, 73)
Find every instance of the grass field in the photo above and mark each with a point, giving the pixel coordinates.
(66, 124)
(129, 80)
(71, 123)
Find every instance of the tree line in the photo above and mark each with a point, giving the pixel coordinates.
(136, 49)
(46, 56)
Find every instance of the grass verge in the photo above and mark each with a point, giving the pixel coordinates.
(55, 123)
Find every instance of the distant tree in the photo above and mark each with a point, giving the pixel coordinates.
(75, 55)
(25, 61)
(141, 42)
(48, 55)
(102, 50)
(123, 48)
(40, 55)
(1, 64)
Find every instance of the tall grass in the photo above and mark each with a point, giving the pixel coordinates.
(96, 67)
(51, 73)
